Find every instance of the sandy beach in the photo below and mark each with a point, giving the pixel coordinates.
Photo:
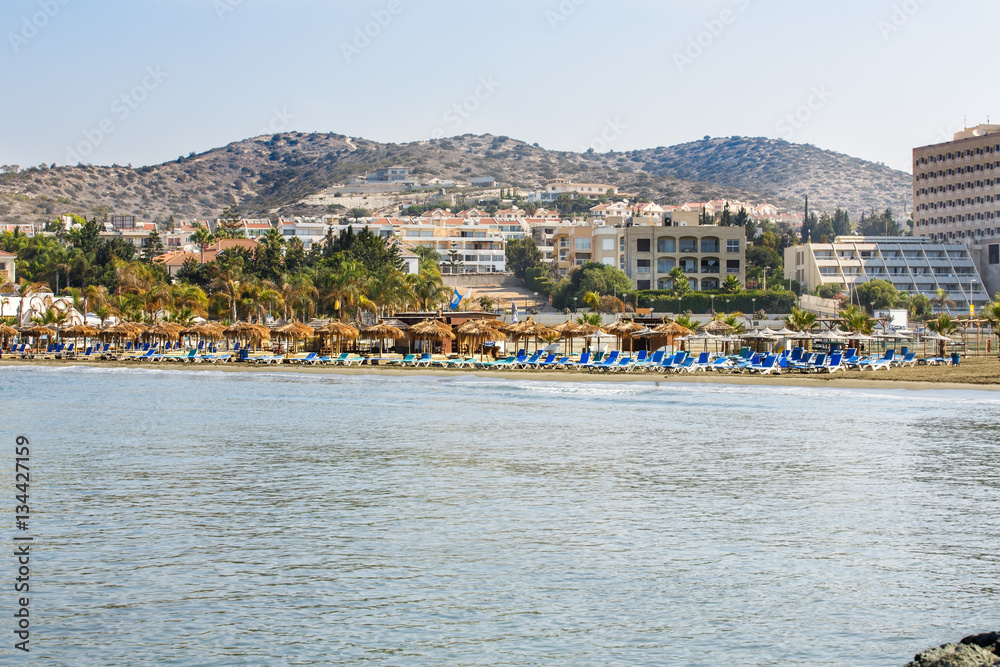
(976, 373)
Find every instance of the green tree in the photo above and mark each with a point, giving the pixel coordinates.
(680, 284)
(455, 263)
(731, 285)
(522, 254)
(829, 290)
(153, 247)
(230, 223)
(800, 320)
(875, 224)
(882, 293)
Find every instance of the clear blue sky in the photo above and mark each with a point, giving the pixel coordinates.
(882, 76)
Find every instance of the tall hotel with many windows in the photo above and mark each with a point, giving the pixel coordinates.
(956, 195)
(956, 187)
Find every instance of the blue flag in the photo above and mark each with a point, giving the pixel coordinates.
(457, 300)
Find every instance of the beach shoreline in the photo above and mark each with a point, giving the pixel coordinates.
(954, 379)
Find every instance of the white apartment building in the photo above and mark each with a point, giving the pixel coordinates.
(481, 247)
(913, 264)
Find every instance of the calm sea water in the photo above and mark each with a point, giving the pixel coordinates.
(221, 518)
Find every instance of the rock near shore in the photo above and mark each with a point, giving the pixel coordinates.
(973, 651)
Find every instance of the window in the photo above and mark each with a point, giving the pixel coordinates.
(666, 245)
(995, 254)
(583, 244)
(689, 245)
(665, 265)
(642, 266)
(608, 244)
(733, 266)
(710, 245)
(621, 244)
(710, 265)
(642, 245)
(689, 265)
(642, 284)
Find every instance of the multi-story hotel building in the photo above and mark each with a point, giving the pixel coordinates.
(913, 264)
(956, 187)
(956, 196)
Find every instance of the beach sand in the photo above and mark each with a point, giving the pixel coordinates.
(976, 373)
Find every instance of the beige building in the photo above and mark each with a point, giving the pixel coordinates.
(916, 265)
(707, 254)
(956, 187)
(7, 268)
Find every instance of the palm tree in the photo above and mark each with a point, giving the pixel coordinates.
(944, 325)
(589, 318)
(731, 285)
(189, 298)
(203, 238)
(991, 313)
(853, 318)
(735, 320)
(681, 286)
(941, 299)
(687, 322)
(94, 297)
(801, 320)
(428, 291)
(257, 297)
(592, 300)
(226, 289)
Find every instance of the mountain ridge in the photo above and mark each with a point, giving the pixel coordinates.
(271, 175)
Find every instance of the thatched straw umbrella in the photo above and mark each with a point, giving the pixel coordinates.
(431, 330)
(530, 328)
(37, 332)
(121, 332)
(623, 328)
(168, 331)
(78, 331)
(294, 331)
(570, 330)
(481, 331)
(248, 333)
(7, 333)
(382, 331)
(338, 330)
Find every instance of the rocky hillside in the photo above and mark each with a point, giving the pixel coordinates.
(271, 175)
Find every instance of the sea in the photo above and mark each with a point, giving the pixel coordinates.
(246, 518)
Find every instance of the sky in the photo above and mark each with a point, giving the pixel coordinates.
(127, 82)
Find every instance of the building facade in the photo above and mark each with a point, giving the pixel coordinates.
(956, 187)
(913, 264)
(707, 254)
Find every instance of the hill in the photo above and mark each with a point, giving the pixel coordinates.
(272, 175)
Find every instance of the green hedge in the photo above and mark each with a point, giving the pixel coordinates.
(701, 302)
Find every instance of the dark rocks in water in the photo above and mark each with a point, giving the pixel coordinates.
(973, 651)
